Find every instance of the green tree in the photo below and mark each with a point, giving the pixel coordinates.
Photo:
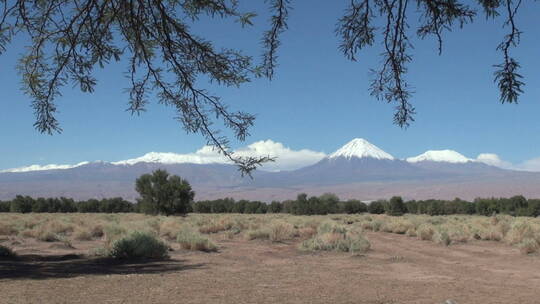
(376, 207)
(395, 206)
(21, 204)
(162, 193)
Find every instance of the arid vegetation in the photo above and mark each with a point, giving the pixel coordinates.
(120, 235)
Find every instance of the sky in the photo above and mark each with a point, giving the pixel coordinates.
(317, 102)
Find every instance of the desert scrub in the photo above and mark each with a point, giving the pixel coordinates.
(47, 236)
(459, 233)
(82, 234)
(528, 245)
(217, 225)
(113, 232)
(6, 253)
(281, 231)
(425, 232)
(190, 239)
(261, 233)
(138, 245)
(169, 228)
(441, 237)
(333, 237)
(7, 229)
(411, 232)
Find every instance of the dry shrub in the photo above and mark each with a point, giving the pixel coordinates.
(262, 234)
(281, 231)
(57, 227)
(441, 237)
(190, 239)
(519, 231)
(82, 234)
(47, 236)
(528, 245)
(333, 237)
(29, 233)
(7, 229)
(425, 232)
(217, 225)
(458, 233)
(113, 232)
(367, 225)
(169, 229)
(97, 231)
(401, 226)
(376, 225)
(492, 234)
(411, 232)
(307, 232)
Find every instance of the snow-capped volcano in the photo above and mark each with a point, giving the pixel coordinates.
(448, 156)
(360, 148)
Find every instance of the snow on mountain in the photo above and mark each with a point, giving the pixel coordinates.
(205, 155)
(42, 168)
(448, 156)
(360, 148)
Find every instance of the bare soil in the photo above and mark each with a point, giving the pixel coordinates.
(398, 269)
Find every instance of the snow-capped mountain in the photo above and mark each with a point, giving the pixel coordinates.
(360, 148)
(358, 169)
(448, 156)
(205, 155)
(43, 167)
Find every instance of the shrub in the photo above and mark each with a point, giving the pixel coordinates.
(113, 232)
(262, 234)
(332, 237)
(138, 245)
(307, 232)
(442, 237)
(6, 252)
(169, 229)
(458, 233)
(81, 234)
(97, 231)
(281, 230)
(215, 226)
(7, 229)
(411, 232)
(47, 236)
(189, 239)
(425, 232)
(528, 245)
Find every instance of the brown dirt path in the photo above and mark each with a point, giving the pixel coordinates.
(398, 269)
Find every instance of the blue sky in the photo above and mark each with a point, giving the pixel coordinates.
(318, 99)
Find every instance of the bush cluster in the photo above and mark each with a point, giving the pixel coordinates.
(138, 245)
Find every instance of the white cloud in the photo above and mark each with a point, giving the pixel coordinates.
(493, 159)
(530, 165)
(287, 159)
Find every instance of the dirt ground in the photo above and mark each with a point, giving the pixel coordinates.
(398, 269)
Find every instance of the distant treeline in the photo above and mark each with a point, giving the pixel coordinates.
(27, 204)
(330, 203)
(303, 205)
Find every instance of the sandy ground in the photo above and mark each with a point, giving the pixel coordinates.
(398, 269)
